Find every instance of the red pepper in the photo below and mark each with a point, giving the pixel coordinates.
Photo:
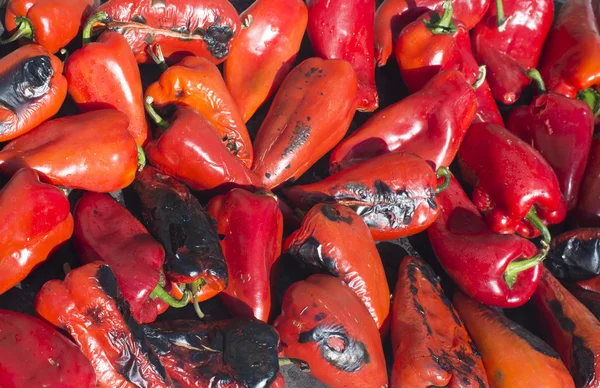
(35, 219)
(89, 306)
(395, 194)
(343, 29)
(335, 240)
(574, 256)
(496, 269)
(514, 187)
(323, 322)
(430, 123)
(35, 354)
(105, 75)
(32, 89)
(52, 24)
(204, 29)
(589, 298)
(264, 52)
(487, 109)
(561, 130)
(588, 205)
(92, 151)
(252, 226)
(310, 114)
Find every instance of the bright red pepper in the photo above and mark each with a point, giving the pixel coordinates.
(264, 52)
(588, 205)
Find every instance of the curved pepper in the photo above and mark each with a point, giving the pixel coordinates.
(395, 194)
(323, 322)
(200, 28)
(497, 269)
(588, 206)
(430, 123)
(575, 255)
(264, 52)
(589, 298)
(35, 219)
(252, 230)
(335, 240)
(32, 89)
(35, 354)
(430, 343)
(310, 114)
(92, 151)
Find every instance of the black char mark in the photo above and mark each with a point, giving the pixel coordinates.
(536, 343)
(217, 37)
(334, 215)
(299, 136)
(575, 255)
(309, 255)
(25, 82)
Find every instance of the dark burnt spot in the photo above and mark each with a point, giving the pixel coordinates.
(536, 343)
(312, 71)
(575, 255)
(564, 322)
(95, 315)
(179, 94)
(181, 30)
(499, 377)
(309, 255)
(95, 212)
(474, 349)
(299, 136)
(411, 271)
(423, 315)
(463, 357)
(332, 214)
(138, 19)
(24, 82)
(414, 290)
(321, 93)
(442, 360)
(480, 382)
(267, 175)
(217, 38)
(308, 118)
(288, 166)
(320, 316)
(221, 237)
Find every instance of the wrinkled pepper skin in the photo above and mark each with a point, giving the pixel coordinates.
(104, 75)
(35, 354)
(252, 226)
(344, 29)
(430, 123)
(575, 255)
(513, 356)
(197, 83)
(310, 114)
(204, 29)
(506, 195)
(588, 206)
(28, 237)
(228, 354)
(334, 239)
(393, 193)
(52, 24)
(92, 151)
(573, 331)
(89, 306)
(475, 257)
(264, 53)
(32, 90)
(324, 323)
(430, 343)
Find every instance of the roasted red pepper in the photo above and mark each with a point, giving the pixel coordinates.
(35, 219)
(430, 123)
(264, 52)
(32, 89)
(395, 194)
(92, 151)
(512, 356)
(590, 299)
(35, 354)
(588, 205)
(575, 255)
(252, 230)
(50, 23)
(514, 187)
(324, 323)
(310, 114)
(497, 269)
(343, 29)
(90, 307)
(430, 343)
(335, 240)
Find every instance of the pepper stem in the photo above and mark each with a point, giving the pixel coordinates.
(443, 172)
(141, 158)
(516, 267)
(441, 24)
(301, 364)
(162, 294)
(592, 98)
(157, 56)
(536, 77)
(98, 17)
(480, 77)
(24, 30)
(539, 225)
(500, 19)
(162, 124)
(195, 287)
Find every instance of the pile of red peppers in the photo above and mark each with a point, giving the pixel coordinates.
(219, 186)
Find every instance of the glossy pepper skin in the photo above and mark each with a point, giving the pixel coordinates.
(232, 353)
(324, 323)
(395, 194)
(28, 237)
(430, 123)
(574, 256)
(91, 151)
(32, 89)
(310, 114)
(264, 53)
(205, 29)
(344, 29)
(89, 306)
(334, 239)
(52, 24)
(573, 331)
(506, 195)
(33, 353)
(197, 83)
(252, 226)
(513, 356)
(430, 343)
(588, 206)
(478, 260)
(105, 75)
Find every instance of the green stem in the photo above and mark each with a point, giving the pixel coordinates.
(443, 172)
(24, 30)
(195, 287)
(592, 98)
(162, 294)
(500, 19)
(301, 364)
(141, 158)
(162, 124)
(444, 24)
(536, 77)
(539, 225)
(480, 77)
(157, 56)
(516, 267)
(99, 17)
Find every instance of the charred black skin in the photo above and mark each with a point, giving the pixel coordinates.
(575, 255)
(238, 351)
(24, 82)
